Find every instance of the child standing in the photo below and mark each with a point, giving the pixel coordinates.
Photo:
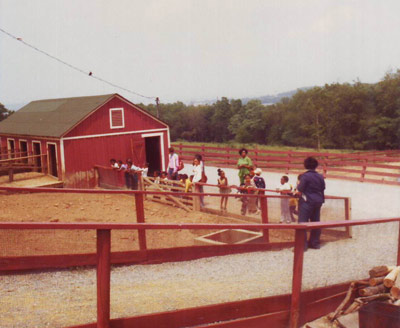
(223, 189)
(258, 179)
(284, 190)
(248, 203)
(294, 202)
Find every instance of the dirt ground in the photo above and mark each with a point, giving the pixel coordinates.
(60, 207)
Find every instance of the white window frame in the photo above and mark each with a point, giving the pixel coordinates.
(9, 148)
(33, 147)
(27, 147)
(123, 118)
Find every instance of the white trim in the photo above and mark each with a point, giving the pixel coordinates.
(23, 140)
(161, 135)
(141, 110)
(113, 134)
(123, 118)
(62, 158)
(40, 153)
(40, 146)
(8, 145)
(27, 148)
(169, 140)
(48, 159)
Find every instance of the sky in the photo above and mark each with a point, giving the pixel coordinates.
(186, 50)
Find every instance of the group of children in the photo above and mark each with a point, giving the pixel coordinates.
(162, 177)
(129, 166)
(130, 172)
(254, 181)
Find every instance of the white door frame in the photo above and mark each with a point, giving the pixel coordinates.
(161, 135)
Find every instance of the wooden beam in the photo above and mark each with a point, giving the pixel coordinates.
(264, 215)
(299, 245)
(140, 219)
(103, 278)
(398, 246)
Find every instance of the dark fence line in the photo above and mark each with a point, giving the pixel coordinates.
(356, 167)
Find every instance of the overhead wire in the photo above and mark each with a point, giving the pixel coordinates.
(87, 73)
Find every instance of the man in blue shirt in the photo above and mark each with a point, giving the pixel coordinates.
(311, 186)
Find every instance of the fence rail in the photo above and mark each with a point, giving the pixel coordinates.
(376, 167)
(103, 267)
(103, 233)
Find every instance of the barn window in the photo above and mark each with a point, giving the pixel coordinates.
(117, 118)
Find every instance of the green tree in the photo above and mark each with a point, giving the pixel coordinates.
(4, 112)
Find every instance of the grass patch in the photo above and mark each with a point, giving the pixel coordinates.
(251, 146)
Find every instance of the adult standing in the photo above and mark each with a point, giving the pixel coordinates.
(311, 187)
(244, 164)
(197, 177)
(173, 164)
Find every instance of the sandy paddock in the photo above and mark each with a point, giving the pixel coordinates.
(68, 297)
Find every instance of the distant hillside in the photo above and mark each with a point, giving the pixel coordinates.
(265, 100)
(272, 99)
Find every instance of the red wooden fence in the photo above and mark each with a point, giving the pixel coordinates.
(104, 253)
(376, 167)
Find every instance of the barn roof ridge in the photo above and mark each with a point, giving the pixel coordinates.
(54, 117)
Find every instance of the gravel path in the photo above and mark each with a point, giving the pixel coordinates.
(63, 298)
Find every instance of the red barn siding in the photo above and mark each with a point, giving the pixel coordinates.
(81, 155)
(99, 121)
(81, 151)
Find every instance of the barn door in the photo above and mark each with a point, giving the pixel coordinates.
(36, 148)
(153, 154)
(137, 149)
(52, 159)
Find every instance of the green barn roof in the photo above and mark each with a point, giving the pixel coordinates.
(51, 117)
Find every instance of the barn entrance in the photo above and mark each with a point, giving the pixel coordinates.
(37, 151)
(52, 159)
(23, 148)
(152, 145)
(11, 148)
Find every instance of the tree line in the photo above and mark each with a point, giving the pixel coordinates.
(336, 116)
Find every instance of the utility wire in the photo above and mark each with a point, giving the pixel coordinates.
(72, 66)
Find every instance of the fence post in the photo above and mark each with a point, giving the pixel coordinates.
(289, 161)
(256, 155)
(299, 244)
(398, 246)
(264, 215)
(140, 219)
(347, 213)
(10, 175)
(196, 200)
(103, 278)
(364, 169)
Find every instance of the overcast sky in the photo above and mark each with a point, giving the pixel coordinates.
(190, 50)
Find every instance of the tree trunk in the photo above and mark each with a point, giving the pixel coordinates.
(391, 277)
(369, 291)
(380, 271)
(376, 281)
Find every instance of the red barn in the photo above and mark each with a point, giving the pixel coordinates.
(78, 133)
